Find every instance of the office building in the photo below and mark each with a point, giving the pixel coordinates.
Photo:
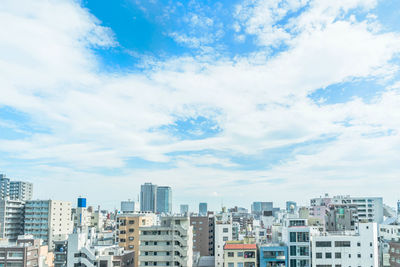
(128, 232)
(148, 197)
(273, 255)
(167, 244)
(222, 233)
(203, 234)
(164, 199)
(240, 254)
(184, 209)
(24, 252)
(49, 220)
(352, 248)
(128, 206)
(11, 219)
(203, 209)
(340, 217)
(262, 208)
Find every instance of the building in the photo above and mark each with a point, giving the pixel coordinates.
(21, 190)
(291, 207)
(297, 237)
(184, 209)
(164, 199)
(11, 219)
(48, 220)
(167, 244)
(15, 190)
(341, 217)
(148, 197)
(369, 209)
(394, 252)
(273, 256)
(222, 233)
(128, 206)
(81, 215)
(203, 234)
(60, 253)
(84, 250)
(203, 208)
(262, 208)
(128, 232)
(240, 254)
(354, 248)
(24, 252)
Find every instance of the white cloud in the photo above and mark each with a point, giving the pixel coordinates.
(260, 102)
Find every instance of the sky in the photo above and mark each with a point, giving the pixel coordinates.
(228, 102)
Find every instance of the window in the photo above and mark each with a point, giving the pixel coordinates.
(338, 255)
(225, 230)
(240, 254)
(340, 244)
(131, 230)
(318, 255)
(358, 255)
(225, 238)
(292, 237)
(292, 250)
(328, 255)
(231, 264)
(131, 222)
(358, 244)
(240, 264)
(231, 254)
(323, 244)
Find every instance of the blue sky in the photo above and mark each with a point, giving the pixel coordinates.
(226, 101)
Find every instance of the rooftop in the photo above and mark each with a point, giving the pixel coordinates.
(240, 246)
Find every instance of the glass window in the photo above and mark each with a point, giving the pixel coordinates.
(231, 254)
(318, 255)
(328, 255)
(338, 255)
(231, 264)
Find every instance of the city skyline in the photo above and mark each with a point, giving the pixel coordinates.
(226, 102)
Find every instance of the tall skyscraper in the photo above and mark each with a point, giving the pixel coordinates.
(184, 208)
(203, 208)
(148, 197)
(164, 199)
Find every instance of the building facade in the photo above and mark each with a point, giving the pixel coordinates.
(222, 233)
(203, 234)
(203, 209)
(273, 256)
(128, 232)
(48, 220)
(11, 219)
(167, 244)
(148, 197)
(240, 254)
(164, 199)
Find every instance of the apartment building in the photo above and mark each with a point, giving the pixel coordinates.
(15, 190)
(128, 230)
(203, 234)
(222, 234)
(48, 220)
(83, 249)
(341, 217)
(167, 244)
(11, 219)
(296, 235)
(273, 255)
(394, 254)
(24, 252)
(349, 248)
(240, 254)
(369, 209)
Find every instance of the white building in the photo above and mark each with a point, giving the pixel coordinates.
(167, 244)
(355, 248)
(296, 234)
(369, 209)
(222, 233)
(11, 219)
(48, 220)
(84, 249)
(21, 190)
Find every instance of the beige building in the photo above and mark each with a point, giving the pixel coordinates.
(240, 254)
(128, 230)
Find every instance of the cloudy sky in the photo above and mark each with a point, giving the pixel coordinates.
(225, 101)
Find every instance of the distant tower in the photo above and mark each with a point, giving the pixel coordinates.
(203, 208)
(164, 199)
(148, 197)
